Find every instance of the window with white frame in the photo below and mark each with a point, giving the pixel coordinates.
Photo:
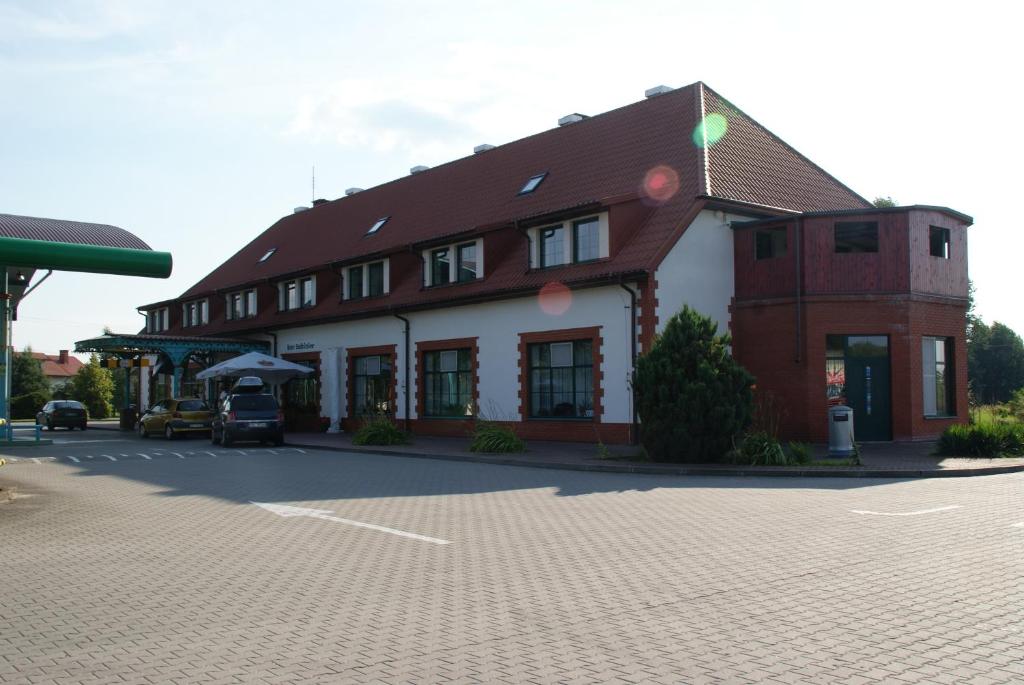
(297, 293)
(195, 313)
(938, 373)
(158, 320)
(574, 241)
(366, 280)
(455, 263)
(240, 304)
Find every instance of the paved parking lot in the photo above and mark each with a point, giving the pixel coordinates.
(153, 564)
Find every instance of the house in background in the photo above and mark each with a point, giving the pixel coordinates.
(522, 281)
(58, 368)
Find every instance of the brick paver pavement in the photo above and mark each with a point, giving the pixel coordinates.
(160, 570)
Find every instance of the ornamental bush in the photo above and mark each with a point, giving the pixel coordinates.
(693, 398)
(380, 430)
(26, 406)
(492, 437)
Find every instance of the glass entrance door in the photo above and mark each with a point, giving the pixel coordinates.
(857, 375)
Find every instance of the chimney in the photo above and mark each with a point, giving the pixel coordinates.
(571, 118)
(419, 168)
(300, 208)
(319, 201)
(483, 147)
(63, 357)
(352, 191)
(656, 91)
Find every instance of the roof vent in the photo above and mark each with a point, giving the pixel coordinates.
(352, 191)
(301, 208)
(482, 147)
(656, 91)
(571, 118)
(418, 169)
(319, 201)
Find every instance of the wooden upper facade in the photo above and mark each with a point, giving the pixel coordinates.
(918, 250)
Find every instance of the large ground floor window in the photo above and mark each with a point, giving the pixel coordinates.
(937, 371)
(371, 382)
(561, 378)
(447, 383)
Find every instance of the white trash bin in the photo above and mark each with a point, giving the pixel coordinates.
(840, 431)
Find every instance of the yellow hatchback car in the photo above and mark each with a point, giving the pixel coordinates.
(175, 417)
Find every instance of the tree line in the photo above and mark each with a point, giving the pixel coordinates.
(93, 386)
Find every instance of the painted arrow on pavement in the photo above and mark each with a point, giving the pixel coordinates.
(288, 511)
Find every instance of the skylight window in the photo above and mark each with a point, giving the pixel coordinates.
(376, 226)
(268, 255)
(531, 185)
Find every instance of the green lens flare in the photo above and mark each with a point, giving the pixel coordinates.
(711, 130)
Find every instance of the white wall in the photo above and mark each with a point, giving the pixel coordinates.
(698, 270)
(497, 326)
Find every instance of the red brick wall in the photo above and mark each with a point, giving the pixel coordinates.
(765, 342)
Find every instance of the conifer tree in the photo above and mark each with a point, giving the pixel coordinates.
(693, 398)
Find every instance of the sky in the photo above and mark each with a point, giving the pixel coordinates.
(196, 125)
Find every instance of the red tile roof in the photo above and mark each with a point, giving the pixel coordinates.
(53, 368)
(600, 161)
(62, 231)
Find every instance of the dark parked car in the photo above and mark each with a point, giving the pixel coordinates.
(66, 413)
(248, 416)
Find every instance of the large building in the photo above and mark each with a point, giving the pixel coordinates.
(520, 282)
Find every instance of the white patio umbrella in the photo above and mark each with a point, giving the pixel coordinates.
(270, 369)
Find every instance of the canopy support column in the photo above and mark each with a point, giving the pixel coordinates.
(5, 355)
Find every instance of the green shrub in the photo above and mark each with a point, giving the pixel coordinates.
(982, 439)
(489, 436)
(380, 431)
(760, 449)
(800, 453)
(692, 396)
(26, 406)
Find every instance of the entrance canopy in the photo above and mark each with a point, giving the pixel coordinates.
(178, 349)
(270, 369)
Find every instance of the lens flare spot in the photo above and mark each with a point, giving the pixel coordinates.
(660, 183)
(711, 130)
(555, 299)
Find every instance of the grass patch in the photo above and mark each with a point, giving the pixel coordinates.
(495, 438)
(983, 439)
(380, 431)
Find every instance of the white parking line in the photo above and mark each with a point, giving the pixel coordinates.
(272, 451)
(74, 459)
(211, 454)
(179, 455)
(124, 455)
(109, 457)
(905, 513)
(299, 450)
(145, 456)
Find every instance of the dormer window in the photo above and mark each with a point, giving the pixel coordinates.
(158, 320)
(456, 263)
(366, 280)
(569, 242)
(298, 293)
(196, 313)
(532, 183)
(377, 225)
(268, 255)
(240, 304)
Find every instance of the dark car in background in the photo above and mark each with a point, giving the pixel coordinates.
(248, 417)
(63, 413)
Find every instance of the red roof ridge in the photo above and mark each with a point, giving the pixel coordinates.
(704, 152)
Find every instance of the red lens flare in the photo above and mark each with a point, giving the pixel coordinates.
(660, 183)
(554, 299)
